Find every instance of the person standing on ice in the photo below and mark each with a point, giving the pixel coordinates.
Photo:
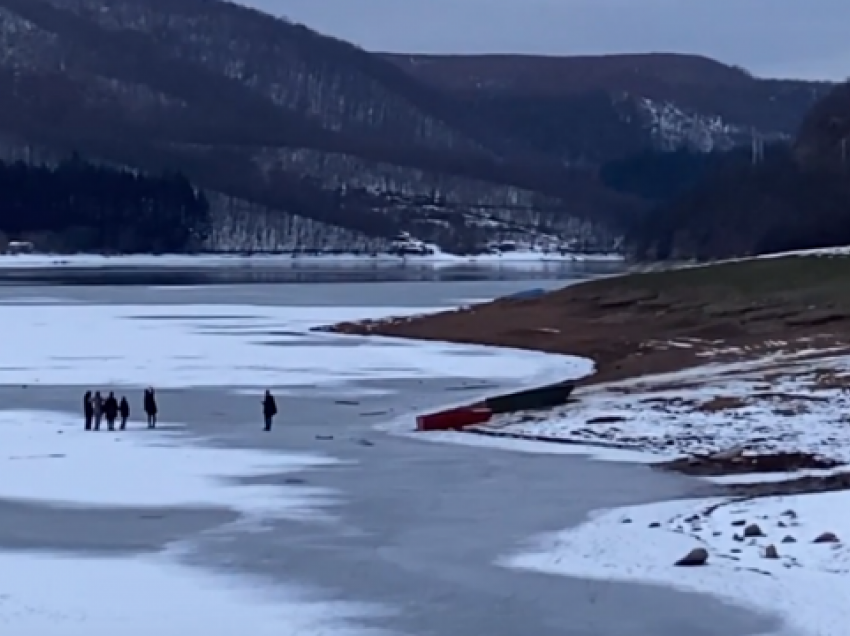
(88, 409)
(150, 407)
(97, 409)
(269, 410)
(110, 410)
(124, 411)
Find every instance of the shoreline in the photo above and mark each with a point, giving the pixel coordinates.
(426, 528)
(770, 534)
(211, 259)
(635, 325)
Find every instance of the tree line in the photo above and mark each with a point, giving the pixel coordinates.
(77, 206)
(731, 206)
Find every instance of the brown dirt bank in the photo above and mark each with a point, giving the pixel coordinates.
(657, 322)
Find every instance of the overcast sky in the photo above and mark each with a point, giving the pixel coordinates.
(776, 38)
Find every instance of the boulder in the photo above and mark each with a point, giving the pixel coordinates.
(753, 530)
(827, 537)
(770, 552)
(697, 556)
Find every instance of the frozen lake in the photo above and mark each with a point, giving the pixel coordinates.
(303, 272)
(326, 525)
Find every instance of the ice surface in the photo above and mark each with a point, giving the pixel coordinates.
(402, 426)
(806, 586)
(51, 595)
(48, 456)
(200, 345)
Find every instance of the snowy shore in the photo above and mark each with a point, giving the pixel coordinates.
(783, 555)
(804, 583)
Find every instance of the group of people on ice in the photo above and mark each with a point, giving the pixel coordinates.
(96, 409)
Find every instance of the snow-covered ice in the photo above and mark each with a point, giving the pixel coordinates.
(52, 595)
(806, 586)
(200, 345)
(48, 456)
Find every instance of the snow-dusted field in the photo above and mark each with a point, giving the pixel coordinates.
(518, 258)
(791, 402)
(46, 456)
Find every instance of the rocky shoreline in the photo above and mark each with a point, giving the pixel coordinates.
(669, 324)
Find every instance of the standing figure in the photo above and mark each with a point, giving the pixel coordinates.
(88, 409)
(97, 409)
(110, 410)
(150, 407)
(269, 410)
(124, 410)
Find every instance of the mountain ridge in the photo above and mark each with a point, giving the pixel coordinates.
(290, 123)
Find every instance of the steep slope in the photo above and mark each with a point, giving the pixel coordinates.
(794, 197)
(824, 139)
(273, 114)
(625, 102)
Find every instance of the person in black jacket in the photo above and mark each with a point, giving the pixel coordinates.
(124, 410)
(150, 407)
(97, 409)
(88, 409)
(269, 410)
(110, 411)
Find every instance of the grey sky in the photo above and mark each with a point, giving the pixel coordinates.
(776, 38)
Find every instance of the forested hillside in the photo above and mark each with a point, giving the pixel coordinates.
(792, 196)
(592, 109)
(290, 133)
(77, 206)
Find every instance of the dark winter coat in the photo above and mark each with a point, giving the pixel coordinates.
(97, 404)
(150, 403)
(110, 408)
(124, 408)
(269, 406)
(88, 407)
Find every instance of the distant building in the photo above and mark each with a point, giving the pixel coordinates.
(405, 245)
(20, 247)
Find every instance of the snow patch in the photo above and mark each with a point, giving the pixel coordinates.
(806, 585)
(53, 595)
(236, 346)
(775, 404)
(48, 456)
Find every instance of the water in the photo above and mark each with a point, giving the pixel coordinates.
(306, 273)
